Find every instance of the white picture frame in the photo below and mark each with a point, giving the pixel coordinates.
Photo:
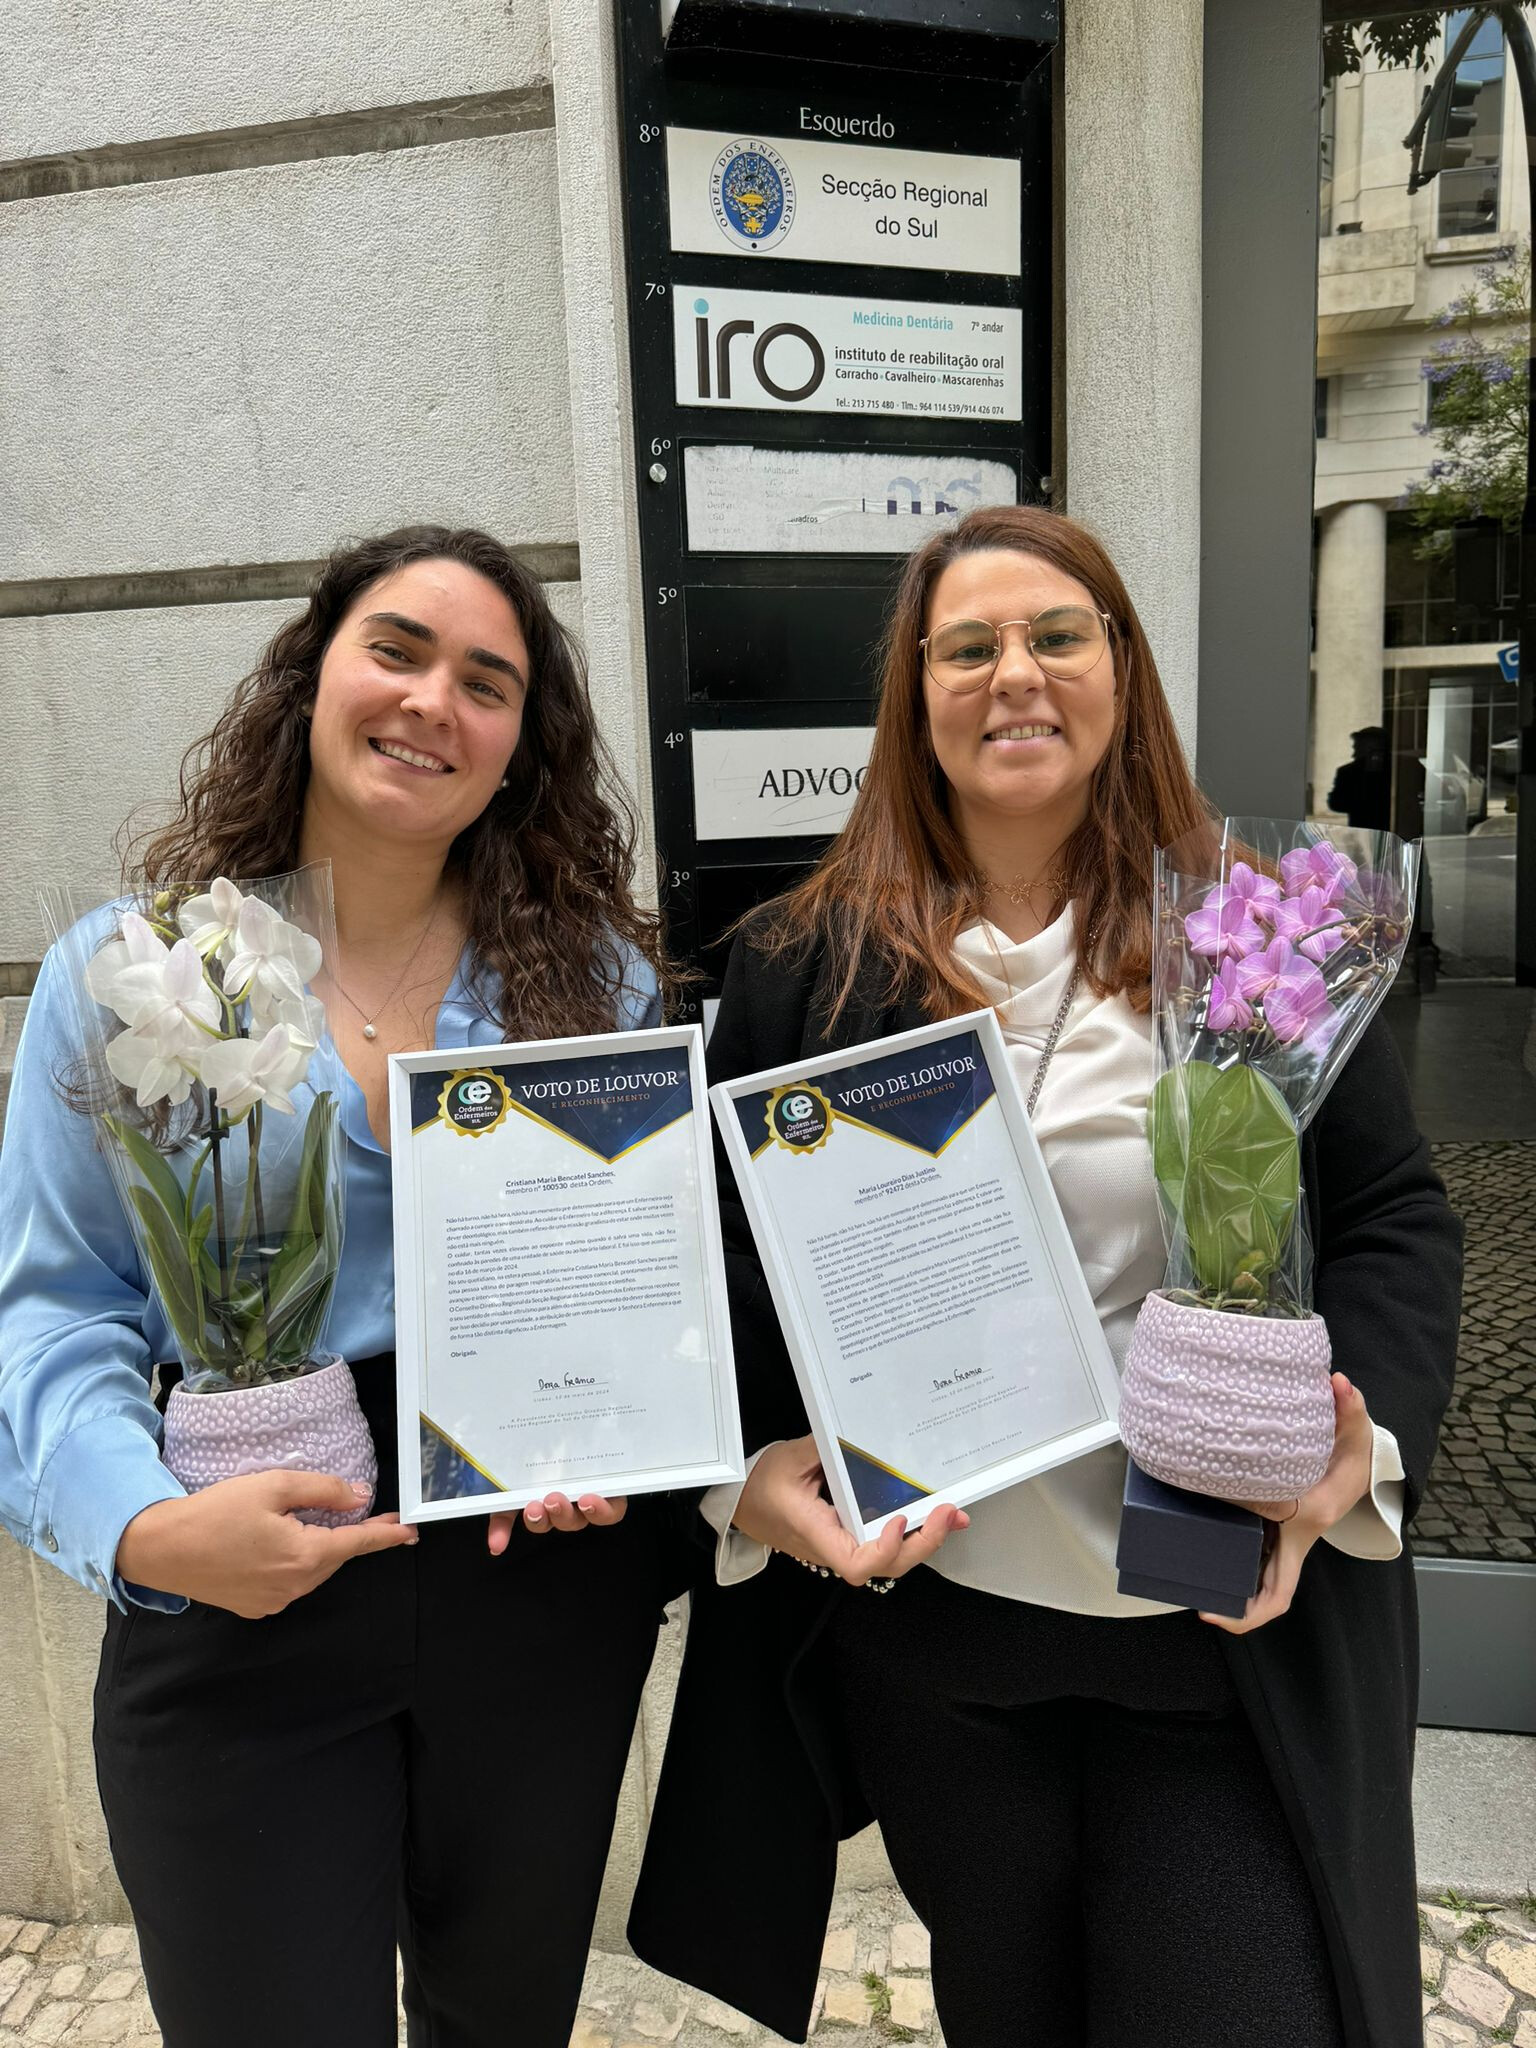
(559, 1307)
(1011, 1351)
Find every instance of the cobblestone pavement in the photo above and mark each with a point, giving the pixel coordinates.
(1482, 1493)
(63, 1986)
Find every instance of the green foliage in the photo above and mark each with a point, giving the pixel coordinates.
(166, 1249)
(1394, 42)
(1458, 1902)
(878, 1993)
(1479, 1932)
(1479, 376)
(299, 1282)
(254, 1317)
(1227, 1157)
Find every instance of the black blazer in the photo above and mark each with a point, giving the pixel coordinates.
(756, 1788)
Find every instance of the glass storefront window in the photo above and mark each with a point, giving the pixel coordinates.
(1422, 346)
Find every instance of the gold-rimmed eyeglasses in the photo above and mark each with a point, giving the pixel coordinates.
(1065, 641)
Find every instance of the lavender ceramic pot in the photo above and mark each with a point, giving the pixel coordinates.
(1236, 1406)
(309, 1424)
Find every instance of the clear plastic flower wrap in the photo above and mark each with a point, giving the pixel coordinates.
(1274, 943)
(202, 1070)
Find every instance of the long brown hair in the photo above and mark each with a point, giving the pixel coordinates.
(897, 884)
(547, 867)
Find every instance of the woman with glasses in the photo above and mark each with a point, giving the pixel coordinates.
(1119, 1822)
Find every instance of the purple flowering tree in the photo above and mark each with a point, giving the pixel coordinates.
(1476, 372)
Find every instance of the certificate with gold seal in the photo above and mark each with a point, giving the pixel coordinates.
(939, 1322)
(560, 1306)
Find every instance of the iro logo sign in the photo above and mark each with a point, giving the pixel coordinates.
(777, 356)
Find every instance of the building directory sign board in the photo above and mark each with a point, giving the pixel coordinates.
(811, 501)
(839, 269)
(802, 352)
(837, 202)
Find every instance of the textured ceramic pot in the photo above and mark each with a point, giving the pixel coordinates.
(310, 1424)
(1236, 1406)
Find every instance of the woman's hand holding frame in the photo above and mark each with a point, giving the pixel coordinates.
(783, 1505)
(557, 1513)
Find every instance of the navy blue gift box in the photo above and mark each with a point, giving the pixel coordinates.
(1186, 1549)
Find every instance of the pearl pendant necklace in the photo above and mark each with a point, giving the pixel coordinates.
(370, 1028)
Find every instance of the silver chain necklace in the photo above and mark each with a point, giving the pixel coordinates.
(370, 1029)
(1058, 1022)
(1058, 1025)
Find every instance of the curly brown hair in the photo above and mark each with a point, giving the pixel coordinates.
(898, 884)
(547, 868)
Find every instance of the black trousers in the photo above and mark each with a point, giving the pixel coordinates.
(1078, 1812)
(428, 1746)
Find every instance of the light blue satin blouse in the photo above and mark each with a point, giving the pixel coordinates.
(80, 1326)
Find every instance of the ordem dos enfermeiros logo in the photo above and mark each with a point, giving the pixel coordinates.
(473, 1102)
(752, 195)
(800, 1117)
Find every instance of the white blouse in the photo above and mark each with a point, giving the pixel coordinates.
(1052, 1540)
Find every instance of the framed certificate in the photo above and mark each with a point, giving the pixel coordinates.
(560, 1303)
(938, 1319)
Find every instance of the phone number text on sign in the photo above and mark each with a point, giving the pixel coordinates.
(794, 351)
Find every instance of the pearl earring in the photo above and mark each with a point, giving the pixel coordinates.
(503, 783)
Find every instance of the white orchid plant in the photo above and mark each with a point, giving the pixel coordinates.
(237, 1218)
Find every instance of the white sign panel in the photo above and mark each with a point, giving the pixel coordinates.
(802, 501)
(797, 352)
(777, 785)
(828, 202)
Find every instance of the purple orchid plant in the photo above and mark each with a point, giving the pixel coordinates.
(1275, 943)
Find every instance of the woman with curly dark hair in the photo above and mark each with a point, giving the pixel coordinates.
(370, 1729)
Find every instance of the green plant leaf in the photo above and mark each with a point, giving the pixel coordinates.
(1173, 1102)
(304, 1271)
(1242, 1179)
(152, 1165)
(169, 1266)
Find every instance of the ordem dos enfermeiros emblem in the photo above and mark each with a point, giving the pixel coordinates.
(800, 1117)
(474, 1102)
(752, 193)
